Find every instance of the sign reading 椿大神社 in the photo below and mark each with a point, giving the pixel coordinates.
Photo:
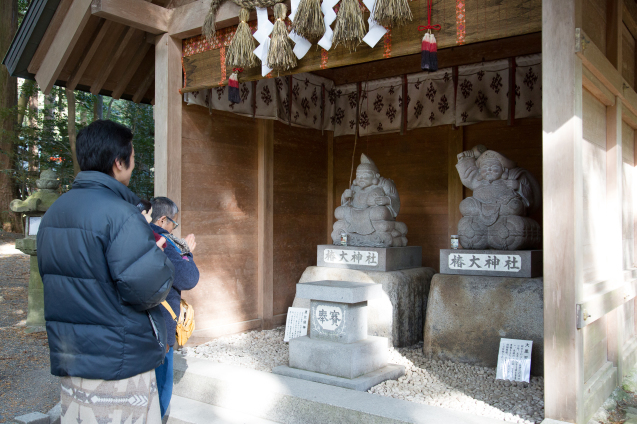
(507, 263)
(514, 360)
(296, 323)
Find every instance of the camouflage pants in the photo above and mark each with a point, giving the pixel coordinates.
(132, 400)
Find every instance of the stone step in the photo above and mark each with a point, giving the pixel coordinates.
(188, 411)
(290, 400)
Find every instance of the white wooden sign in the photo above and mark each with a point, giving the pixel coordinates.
(351, 257)
(485, 262)
(296, 323)
(514, 360)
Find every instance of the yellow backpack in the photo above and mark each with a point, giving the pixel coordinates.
(185, 323)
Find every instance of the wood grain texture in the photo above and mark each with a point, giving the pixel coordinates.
(219, 205)
(265, 207)
(300, 198)
(454, 185)
(330, 186)
(594, 347)
(49, 35)
(134, 13)
(595, 21)
(614, 32)
(628, 56)
(493, 21)
(131, 68)
(120, 47)
(100, 31)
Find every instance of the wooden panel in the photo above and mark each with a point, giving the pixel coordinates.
(219, 205)
(628, 56)
(628, 188)
(629, 323)
(594, 188)
(594, 347)
(454, 185)
(265, 207)
(614, 32)
(300, 196)
(491, 21)
(595, 21)
(330, 186)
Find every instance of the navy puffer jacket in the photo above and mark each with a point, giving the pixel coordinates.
(104, 278)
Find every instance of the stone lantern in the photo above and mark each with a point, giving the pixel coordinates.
(34, 208)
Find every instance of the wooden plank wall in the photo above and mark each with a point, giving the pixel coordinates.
(300, 196)
(417, 162)
(219, 205)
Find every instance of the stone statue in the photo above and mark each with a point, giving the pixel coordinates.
(42, 199)
(368, 211)
(495, 217)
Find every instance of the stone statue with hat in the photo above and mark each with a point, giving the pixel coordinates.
(368, 211)
(496, 216)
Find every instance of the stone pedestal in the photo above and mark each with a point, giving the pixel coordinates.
(339, 351)
(35, 313)
(496, 263)
(467, 316)
(399, 312)
(369, 258)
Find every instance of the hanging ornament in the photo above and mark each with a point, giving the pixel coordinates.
(390, 13)
(349, 29)
(280, 55)
(234, 96)
(429, 48)
(209, 25)
(241, 49)
(308, 20)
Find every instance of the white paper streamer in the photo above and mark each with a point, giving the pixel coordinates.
(328, 16)
(376, 31)
(262, 35)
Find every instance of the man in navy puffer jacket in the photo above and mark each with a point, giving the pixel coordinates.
(103, 274)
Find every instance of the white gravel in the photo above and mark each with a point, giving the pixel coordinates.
(439, 383)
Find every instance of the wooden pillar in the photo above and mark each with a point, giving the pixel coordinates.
(330, 185)
(563, 210)
(614, 244)
(168, 77)
(265, 221)
(455, 146)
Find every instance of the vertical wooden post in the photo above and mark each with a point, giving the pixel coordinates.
(265, 221)
(330, 185)
(563, 207)
(454, 185)
(614, 245)
(614, 31)
(168, 77)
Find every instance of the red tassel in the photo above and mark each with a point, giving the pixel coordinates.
(429, 49)
(233, 86)
(433, 53)
(425, 53)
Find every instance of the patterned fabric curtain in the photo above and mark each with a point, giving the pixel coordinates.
(342, 101)
(199, 98)
(482, 92)
(528, 86)
(219, 100)
(266, 99)
(381, 106)
(430, 99)
(307, 92)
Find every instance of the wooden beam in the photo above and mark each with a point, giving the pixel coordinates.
(330, 185)
(455, 145)
(63, 44)
(134, 13)
(120, 48)
(49, 35)
(131, 69)
(597, 89)
(562, 193)
(103, 27)
(145, 85)
(614, 28)
(265, 272)
(186, 21)
(167, 70)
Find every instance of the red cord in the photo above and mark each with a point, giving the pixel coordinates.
(237, 70)
(429, 26)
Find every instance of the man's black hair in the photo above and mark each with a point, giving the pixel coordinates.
(101, 143)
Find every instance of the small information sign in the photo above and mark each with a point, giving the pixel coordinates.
(296, 323)
(351, 257)
(482, 262)
(514, 360)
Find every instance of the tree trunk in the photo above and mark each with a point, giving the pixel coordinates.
(70, 99)
(8, 100)
(109, 108)
(34, 151)
(98, 107)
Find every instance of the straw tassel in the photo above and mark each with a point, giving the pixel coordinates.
(308, 21)
(234, 96)
(280, 57)
(349, 29)
(241, 48)
(209, 29)
(391, 13)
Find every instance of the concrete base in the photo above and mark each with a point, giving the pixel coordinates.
(294, 401)
(399, 313)
(362, 383)
(370, 259)
(349, 360)
(495, 263)
(468, 315)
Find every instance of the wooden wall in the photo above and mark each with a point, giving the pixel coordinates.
(418, 163)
